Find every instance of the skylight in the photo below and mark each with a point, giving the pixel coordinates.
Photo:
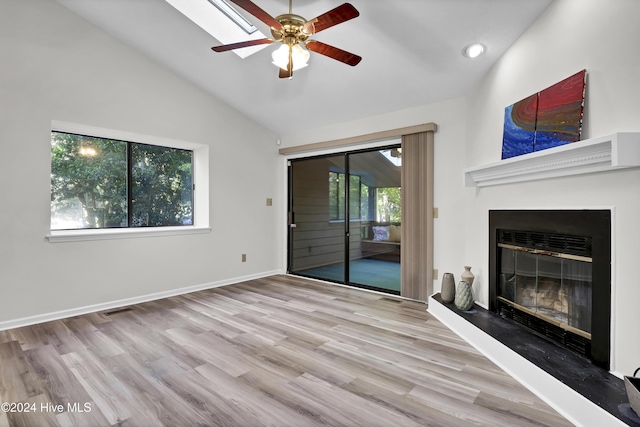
(221, 21)
(394, 155)
(233, 14)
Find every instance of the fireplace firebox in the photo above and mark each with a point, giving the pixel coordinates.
(550, 270)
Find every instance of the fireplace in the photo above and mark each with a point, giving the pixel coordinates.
(550, 270)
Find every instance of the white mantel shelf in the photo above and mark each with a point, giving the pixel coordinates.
(613, 152)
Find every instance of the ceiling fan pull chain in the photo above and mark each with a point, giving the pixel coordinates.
(290, 64)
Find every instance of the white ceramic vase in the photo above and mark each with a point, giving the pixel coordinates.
(464, 296)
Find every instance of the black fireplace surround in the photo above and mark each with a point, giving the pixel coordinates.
(595, 227)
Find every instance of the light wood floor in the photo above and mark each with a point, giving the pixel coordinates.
(279, 351)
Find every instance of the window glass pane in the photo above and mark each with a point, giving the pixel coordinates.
(337, 181)
(336, 195)
(364, 202)
(341, 190)
(88, 182)
(334, 208)
(161, 186)
(316, 242)
(354, 197)
(389, 204)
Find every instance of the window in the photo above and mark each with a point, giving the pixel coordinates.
(389, 205)
(99, 183)
(357, 190)
(336, 196)
(365, 203)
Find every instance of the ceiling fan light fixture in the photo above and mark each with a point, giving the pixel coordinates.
(299, 55)
(473, 50)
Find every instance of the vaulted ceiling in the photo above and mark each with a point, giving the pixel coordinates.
(411, 50)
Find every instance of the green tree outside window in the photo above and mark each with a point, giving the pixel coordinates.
(95, 185)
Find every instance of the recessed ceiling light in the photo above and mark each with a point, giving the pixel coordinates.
(473, 50)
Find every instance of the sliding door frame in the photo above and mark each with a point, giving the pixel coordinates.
(421, 268)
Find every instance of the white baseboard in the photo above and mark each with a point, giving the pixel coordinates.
(47, 317)
(569, 403)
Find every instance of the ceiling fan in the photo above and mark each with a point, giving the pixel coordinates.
(293, 31)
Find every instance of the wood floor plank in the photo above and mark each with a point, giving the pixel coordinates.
(65, 340)
(410, 408)
(263, 357)
(523, 413)
(55, 377)
(155, 401)
(12, 386)
(275, 351)
(357, 410)
(249, 400)
(108, 393)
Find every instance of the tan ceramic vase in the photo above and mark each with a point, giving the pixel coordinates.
(467, 275)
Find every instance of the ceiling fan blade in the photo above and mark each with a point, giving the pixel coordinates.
(333, 52)
(256, 11)
(285, 74)
(335, 16)
(232, 46)
(288, 73)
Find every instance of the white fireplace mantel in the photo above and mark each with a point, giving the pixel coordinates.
(612, 152)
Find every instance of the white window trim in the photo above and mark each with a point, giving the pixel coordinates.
(60, 236)
(200, 194)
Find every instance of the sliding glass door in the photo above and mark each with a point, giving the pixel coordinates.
(374, 255)
(345, 218)
(316, 218)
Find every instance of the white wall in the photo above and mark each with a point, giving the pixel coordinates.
(56, 66)
(571, 35)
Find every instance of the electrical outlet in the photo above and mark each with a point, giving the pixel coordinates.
(435, 274)
(269, 201)
(244, 257)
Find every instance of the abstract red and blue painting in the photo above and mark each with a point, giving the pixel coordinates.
(549, 118)
(560, 109)
(520, 127)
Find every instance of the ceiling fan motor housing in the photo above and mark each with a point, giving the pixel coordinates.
(291, 32)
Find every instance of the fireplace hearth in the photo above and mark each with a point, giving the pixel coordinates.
(491, 334)
(550, 270)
